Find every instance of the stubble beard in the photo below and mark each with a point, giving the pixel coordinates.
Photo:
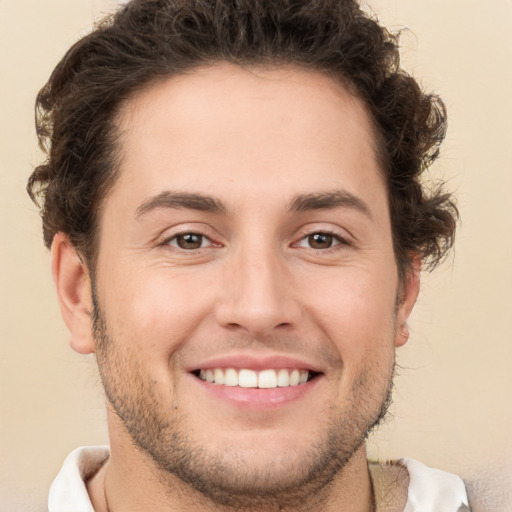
(223, 478)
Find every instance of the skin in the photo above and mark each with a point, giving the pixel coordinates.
(260, 144)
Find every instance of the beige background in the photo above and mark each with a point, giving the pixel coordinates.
(453, 406)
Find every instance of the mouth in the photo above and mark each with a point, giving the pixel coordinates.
(264, 379)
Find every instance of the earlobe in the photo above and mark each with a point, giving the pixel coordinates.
(408, 296)
(72, 281)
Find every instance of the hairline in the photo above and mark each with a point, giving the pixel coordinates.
(116, 157)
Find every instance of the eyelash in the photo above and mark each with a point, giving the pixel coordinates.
(175, 237)
(339, 241)
(336, 238)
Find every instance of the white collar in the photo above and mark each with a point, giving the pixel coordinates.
(430, 490)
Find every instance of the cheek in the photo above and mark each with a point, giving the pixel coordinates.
(356, 309)
(156, 309)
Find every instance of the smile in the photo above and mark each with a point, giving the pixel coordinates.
(264, 379)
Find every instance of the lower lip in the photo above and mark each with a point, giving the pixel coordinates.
(256, 397)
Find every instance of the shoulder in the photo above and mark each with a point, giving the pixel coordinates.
(410, 486)
(69, 487)
(430, 487)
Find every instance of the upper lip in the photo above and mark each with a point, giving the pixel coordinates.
(256, 363)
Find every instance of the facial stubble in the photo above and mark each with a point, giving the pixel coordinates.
(224, 477)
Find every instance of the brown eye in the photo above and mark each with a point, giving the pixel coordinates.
(189, 241)
(321, 240)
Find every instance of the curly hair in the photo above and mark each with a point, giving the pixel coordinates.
(147, 40)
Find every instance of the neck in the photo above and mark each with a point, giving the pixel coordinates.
(131, 484)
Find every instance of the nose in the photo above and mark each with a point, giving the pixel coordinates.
(258, 296)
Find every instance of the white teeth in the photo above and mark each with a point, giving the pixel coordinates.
(247, 379)
(265, 379)
(294, 378)
(283, 379)
(218, 375)
(231, 377)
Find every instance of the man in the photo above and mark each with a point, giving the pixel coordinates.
(232, 197)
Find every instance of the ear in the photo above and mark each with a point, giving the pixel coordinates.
(408, 294)
(73, 284)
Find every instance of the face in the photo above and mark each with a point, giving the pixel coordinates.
(246, 295)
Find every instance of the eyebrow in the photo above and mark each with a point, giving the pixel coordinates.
(329, 200)
(170, 199)
(204, 203)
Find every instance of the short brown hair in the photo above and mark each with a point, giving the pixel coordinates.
(148, 40)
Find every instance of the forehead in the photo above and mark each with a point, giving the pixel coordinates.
(224, 127)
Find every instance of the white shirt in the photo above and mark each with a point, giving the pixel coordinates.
(430, 490)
